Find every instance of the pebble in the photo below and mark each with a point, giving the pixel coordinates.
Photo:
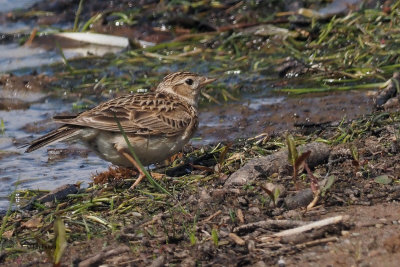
(300, 199)
(242, 201)
(204, 196)
(348, 191)
(254, 210)
(223, 233)
(251, 246)
(345, 233)
(281, 262)
(136, 214)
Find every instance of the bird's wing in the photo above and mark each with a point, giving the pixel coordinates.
(145, 114)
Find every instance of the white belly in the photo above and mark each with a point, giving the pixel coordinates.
(149, 150)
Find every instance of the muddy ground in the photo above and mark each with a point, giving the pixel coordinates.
(215, 219)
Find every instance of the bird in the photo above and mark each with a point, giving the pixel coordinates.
(157, 124)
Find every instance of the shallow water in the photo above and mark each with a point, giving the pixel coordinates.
(8, 5)
(247, 117)
(34, 170)
(14, 56)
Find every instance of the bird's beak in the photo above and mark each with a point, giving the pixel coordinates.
(207, 81)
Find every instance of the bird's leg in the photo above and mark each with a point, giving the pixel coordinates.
(133, 161)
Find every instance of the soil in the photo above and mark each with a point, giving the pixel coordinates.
(238, 120)
(374, 240)
(206, 231)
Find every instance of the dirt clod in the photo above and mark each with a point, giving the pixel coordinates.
(276, 163)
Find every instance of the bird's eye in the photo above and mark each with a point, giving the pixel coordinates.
(189, 81)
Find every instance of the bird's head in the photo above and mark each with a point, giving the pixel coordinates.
(185, 85)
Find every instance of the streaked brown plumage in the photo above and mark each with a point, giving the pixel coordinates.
(158, 124)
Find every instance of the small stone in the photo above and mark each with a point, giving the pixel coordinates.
(292, 214)
(274, 175)
(356, 192)
(345, 233)
(219, 193)
(276, 163)
(136, 214)
(391, 103)
(300, 199)
(49, 204)
(348, 191)
(181, 254)
(347, 241)
(225, 219)
(254, 210)
(242, 201)
(281, 262)
(251, 245)
(204, 196)
(234, 191)
(270, 186)
(223, 233)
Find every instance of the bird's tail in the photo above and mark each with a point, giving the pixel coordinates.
(57, 135)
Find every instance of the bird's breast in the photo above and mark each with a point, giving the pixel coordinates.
(152, 149)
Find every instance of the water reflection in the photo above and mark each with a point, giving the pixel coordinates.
(34, 170)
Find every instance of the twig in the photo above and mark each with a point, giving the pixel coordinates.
(209, 218)
(31, 37)
(317, 242)
(153, 220)
(102, 255)
(314, 202)
(308, 227)
(240, 215)
(277, 249)
(277, 224)
(232, 8)
(239, 241)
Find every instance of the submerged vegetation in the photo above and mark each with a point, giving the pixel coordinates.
(250, 51)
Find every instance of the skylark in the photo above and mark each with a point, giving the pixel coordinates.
(158, 124)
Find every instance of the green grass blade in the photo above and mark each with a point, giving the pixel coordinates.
(78, 13)
(292, 150)
(5, 218)
(61, 240)
(142, 168)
